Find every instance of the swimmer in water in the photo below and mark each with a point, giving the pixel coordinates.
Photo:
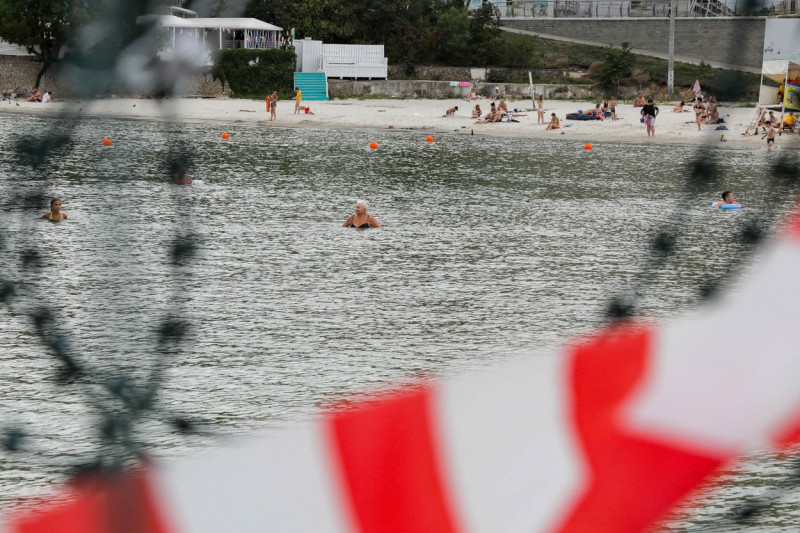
(360, 219)
(727, 198)
(55, 213)
(180, 178)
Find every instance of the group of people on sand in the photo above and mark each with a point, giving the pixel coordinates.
(37, 96)
(705, 112)
(496, 113)
(787, 124)
(272, 103)
(772, 126)
(473, 94)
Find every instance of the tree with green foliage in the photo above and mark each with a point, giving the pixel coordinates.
(43, 27)
(617, 64)
(485, 36)
(451, 41)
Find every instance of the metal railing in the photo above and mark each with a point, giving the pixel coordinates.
(513, 9)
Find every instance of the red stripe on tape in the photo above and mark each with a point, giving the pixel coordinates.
(119, 504)
(793, 222)
(634, 479)
(389, 464)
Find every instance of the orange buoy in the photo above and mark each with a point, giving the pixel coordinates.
(429, 139)
(107, 142)
(373, 145)
(225, 135)
(587, 146)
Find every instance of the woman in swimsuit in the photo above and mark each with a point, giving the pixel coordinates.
(554, 123)
(273, 106)
(540, 110)
(55, 213)
(360, 219)
(699, 109)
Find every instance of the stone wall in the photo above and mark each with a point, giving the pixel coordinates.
(469, 74)
(20, 72)
(443, 89)
(737, 42)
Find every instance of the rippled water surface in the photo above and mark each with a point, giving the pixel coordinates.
(490, 247)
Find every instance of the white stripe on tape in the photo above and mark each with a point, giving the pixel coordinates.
(267, 484)
(508, 446)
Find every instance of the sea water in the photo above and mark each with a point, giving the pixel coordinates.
(490, 248)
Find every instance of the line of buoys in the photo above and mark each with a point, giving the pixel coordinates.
(587, 146)
(373, 145)
(225, 135)
(107, 142)
(429, 138)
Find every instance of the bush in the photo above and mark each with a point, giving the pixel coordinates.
(256, 72)
(517, 51)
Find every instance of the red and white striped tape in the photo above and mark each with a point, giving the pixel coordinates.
(605, 437)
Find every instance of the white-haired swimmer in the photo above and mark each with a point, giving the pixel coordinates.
(360, 219)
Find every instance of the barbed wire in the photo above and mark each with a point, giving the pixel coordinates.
(122, 402)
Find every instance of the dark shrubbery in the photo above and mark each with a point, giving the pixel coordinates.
(257, 72)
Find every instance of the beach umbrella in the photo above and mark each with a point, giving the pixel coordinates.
(696, 88)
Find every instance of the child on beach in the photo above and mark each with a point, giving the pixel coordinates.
(450, 112)
(554, 123)
(476, 113)
(273, 105)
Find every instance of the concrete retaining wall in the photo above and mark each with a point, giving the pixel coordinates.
(737, 42)
(20, 72)
(469, 74)
(443, 89)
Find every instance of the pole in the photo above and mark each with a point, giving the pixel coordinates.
(671, 68)
(530, 80)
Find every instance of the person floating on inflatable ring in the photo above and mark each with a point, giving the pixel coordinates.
(727, 199)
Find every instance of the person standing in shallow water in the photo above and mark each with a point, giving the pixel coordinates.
(360, 219)
(55, 213)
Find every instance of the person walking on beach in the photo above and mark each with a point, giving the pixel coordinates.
(273, 105)
(649, 114)
(613, 108)
(297, 99)
(699, 110)
(540, 110)
(770, 135)
(55, 213)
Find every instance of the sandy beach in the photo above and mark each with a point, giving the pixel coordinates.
(428, 116)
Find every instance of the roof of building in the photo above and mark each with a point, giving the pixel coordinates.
(170, 21)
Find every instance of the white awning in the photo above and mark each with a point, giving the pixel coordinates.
(170, 21)
(233, 24)
(776, 69)
(166, 21)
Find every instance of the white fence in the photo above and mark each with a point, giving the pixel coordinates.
(341, 60)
